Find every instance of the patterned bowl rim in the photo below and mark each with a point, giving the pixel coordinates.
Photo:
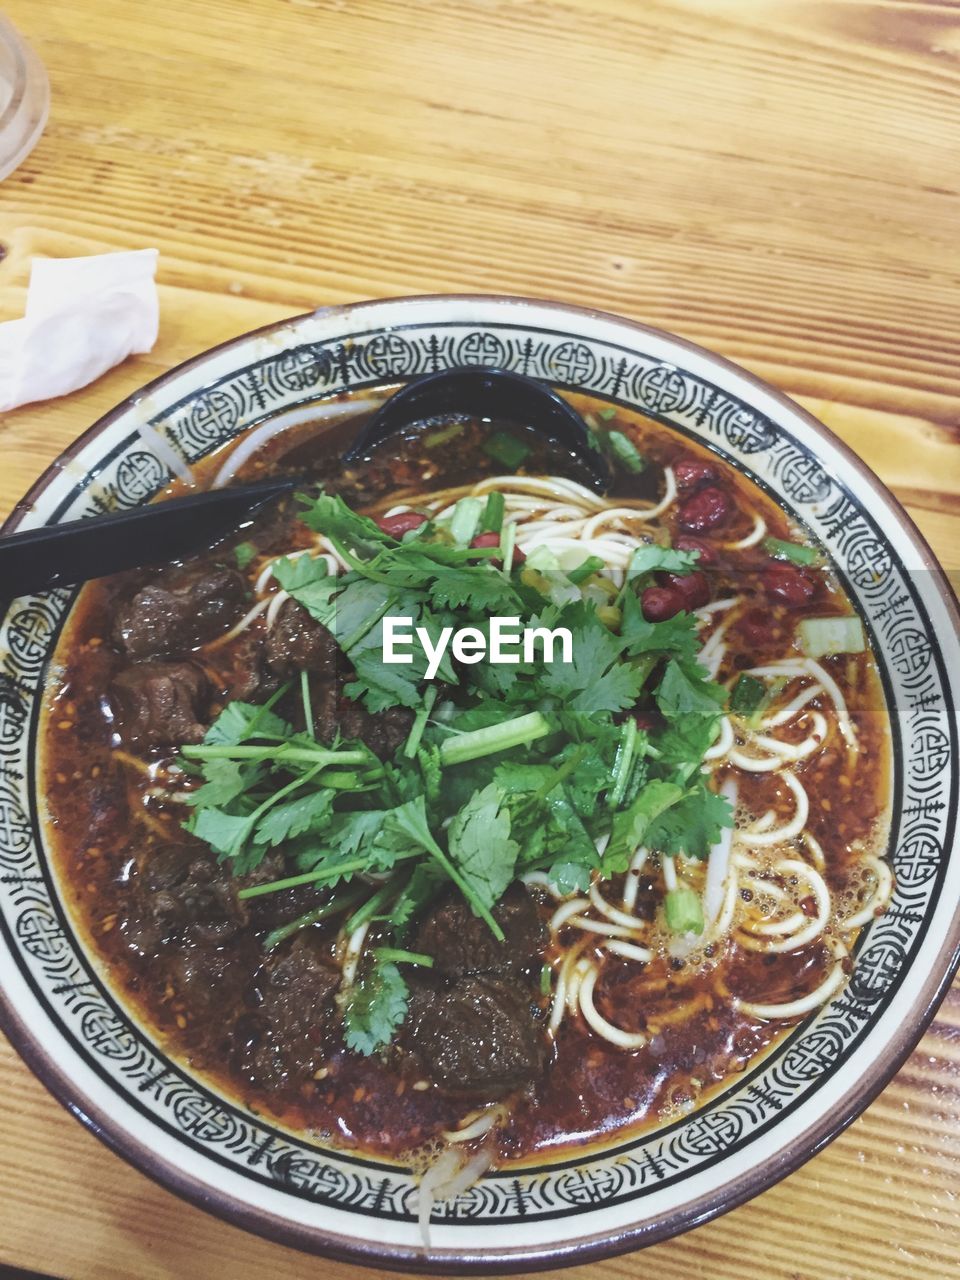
(726, 1194)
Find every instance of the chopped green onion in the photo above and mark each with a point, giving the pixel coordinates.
(507, 449)
(546, 979)
(412, 744)
(791, 551)
(590, 566)
(442, 434)
(494, 738)
(625, 451)
(683, 910)
(492, 519)
(403, 957)
(244, 553)
(820, 636)
(748, 695)
(606, 414)
(465, 518)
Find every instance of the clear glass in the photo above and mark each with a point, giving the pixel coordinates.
(24, 99)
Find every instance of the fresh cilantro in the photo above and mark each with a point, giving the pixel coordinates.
(481, 847)
(375, 1006)
(594, 680)
(686, 690)
(289, 820)
(676, 635)
(652, 558)
(569, 877)
(629, 828)
(506, 769)
(693, 825)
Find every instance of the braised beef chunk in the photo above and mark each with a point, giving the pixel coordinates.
(248, 678)
(181, 894)
(181, 608)
(295, 1016)
(461, 943)
(208, 982)
(478, 1037)
(333, 712)
(298, 643)
(160, 704)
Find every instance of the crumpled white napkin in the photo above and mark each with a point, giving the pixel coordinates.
(83, 316)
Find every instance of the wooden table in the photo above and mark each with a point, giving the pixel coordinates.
(775, 180)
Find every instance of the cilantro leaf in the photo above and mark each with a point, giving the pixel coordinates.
(286, 821)
(418, 892)
(686, 689)
(224, 781)
(480, 844)
(375, 1006)
(330, 515)
(473, 587)
(569, 877)
(239, 721)
(630, 825)
(676, 635)
(652, 558)
(693, 825)
(593, 681)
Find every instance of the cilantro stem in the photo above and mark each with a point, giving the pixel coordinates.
(346, 868)
(305, 755)
(475, 903)
(420, 723)
(293, 785)
(623, 763)
(348, 780)
(372, 905)
(314, 916)
(403, 957)
(563, 772)
(307, 704)
(494, 738)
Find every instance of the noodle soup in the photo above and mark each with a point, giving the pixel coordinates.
(654, 863)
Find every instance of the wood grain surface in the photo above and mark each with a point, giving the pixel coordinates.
(777, 181)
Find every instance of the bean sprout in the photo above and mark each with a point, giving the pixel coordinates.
(752, 538)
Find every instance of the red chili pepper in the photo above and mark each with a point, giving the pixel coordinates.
(397, 525)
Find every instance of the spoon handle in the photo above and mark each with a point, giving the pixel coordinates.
(61, 554)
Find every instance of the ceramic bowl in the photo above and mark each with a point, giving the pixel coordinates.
(59, 1008)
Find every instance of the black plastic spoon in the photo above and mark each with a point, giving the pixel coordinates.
(61, 554)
